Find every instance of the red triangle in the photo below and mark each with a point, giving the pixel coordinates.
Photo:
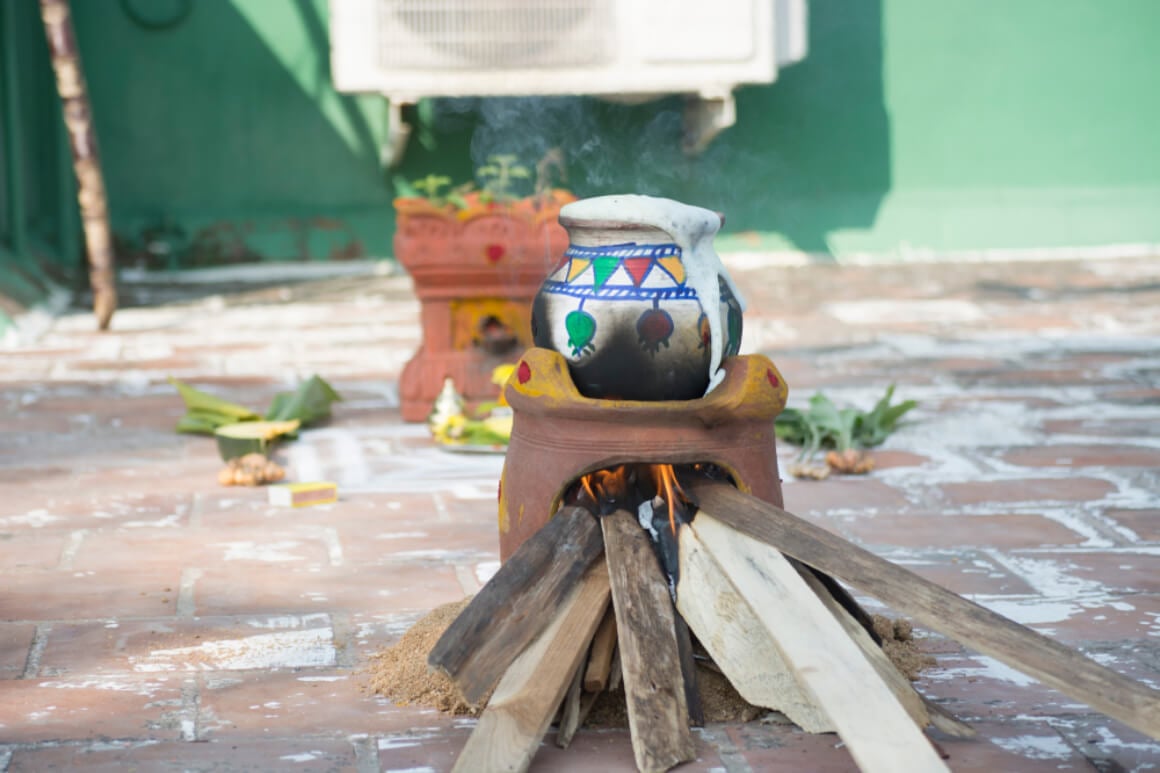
(638, 268)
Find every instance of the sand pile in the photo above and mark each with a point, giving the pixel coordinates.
(400, 674)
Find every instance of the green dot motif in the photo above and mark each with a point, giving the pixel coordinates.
(581, 327)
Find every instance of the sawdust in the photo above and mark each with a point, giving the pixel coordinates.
(899, 645)
(400, 673)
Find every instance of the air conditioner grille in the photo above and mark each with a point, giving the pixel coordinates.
(495, 34)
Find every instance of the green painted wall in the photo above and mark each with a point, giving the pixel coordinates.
(222, 135)
(912, 126)
(39, 227)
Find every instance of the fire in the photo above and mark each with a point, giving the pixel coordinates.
(628, 485)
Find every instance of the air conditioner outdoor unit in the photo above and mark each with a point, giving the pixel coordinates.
(408, 49)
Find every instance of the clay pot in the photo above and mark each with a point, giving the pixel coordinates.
(640, 307)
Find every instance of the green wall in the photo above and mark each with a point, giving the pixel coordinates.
(223, 137)
(39, 226)
(911, 126)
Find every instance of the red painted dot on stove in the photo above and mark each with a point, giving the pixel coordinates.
(773, 380)
(494, 252)
(524, 372)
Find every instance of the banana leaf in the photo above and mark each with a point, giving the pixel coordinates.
(205, 413)
(308, 404)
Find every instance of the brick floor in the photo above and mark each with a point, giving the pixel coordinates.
(151, 620)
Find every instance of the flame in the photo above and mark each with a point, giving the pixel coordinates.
(606, 484)
(616, 483)
(665, 478)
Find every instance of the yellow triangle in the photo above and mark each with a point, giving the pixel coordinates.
(577, 268)
(675, 267)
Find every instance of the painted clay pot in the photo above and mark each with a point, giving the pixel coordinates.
(640, 306)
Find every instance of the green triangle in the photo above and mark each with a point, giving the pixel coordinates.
(602, 268)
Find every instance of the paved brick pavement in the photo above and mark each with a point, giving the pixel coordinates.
(150, 620)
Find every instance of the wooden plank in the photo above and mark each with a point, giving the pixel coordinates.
(515, 720)
(740, 646)
(937, 608)
(570, 718)
(600, 658)
(827, 664)
(616, 673)
(517, 603)
(916, 706)
(832, 590)
(587, 701)
(658, 716)
(689, 672)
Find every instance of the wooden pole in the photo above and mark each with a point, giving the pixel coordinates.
(936, 607)
(78, 119)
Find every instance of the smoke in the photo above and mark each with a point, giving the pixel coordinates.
(610, 147)
(607, 148)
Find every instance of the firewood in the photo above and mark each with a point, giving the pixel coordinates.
(658, 716)
(729, 630)
(600, 658)
(689, 672)
(615, 671)
(828, 665)
(517, 603)
(517, 716)
(922, 712)
(974, 626)
(570, 718)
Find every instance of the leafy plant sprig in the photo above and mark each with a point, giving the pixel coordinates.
(824, 425)
(499, 173)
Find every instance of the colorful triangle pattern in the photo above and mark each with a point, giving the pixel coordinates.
(577, 268)
(638, 268)
(607, 267)
(674, 267)
(603, 268)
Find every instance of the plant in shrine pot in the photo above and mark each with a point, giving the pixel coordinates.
(476, 258)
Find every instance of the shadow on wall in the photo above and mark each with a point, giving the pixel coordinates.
(816, 157)
(809, 155)
(222, 135)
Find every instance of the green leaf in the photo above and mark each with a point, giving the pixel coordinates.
(475, 434)
(792, 427)
(875, 426)
(234, 440)
(309, 403)
(205, 413)
(834, 428)
(823, 425)
(403, 187)
(202, 423)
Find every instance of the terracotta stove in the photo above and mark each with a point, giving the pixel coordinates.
(559, 435)
(578, 604)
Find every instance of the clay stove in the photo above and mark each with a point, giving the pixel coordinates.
(558, 435)
(755, 585)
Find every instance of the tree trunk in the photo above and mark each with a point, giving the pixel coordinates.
(78, 119)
